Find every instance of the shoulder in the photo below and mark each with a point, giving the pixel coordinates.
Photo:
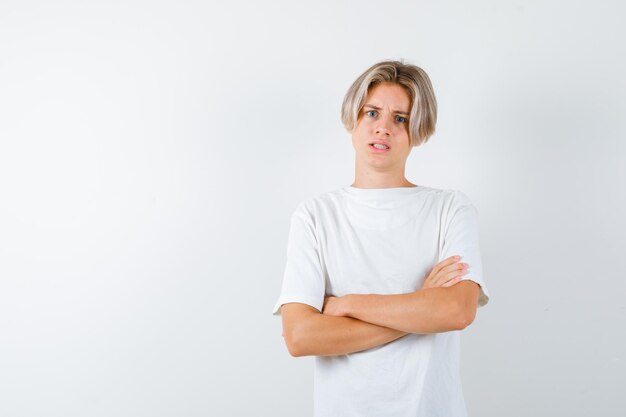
(312, 207)
(453, 203)
(458, 209)
(454, 198)
(319, 200)
(448, 197)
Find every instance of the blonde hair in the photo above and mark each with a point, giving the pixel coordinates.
(423, 113)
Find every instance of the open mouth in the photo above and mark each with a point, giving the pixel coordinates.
(379, 147)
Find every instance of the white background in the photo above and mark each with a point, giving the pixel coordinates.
(152, 152)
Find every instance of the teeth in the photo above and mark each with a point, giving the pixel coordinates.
(380, 146)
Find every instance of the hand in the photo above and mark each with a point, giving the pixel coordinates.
(445, 274)
(334, 306)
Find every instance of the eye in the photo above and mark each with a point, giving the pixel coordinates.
(401, 119)
(371, 111)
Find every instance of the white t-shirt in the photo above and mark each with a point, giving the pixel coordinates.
(383, 241)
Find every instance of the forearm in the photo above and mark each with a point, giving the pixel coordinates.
(323, 335)
(432, 310)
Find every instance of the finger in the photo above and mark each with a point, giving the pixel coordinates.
(444, 277)
(452, 282)
(450, 260)
(453, 278)
(438, 275)
(456, 276)
(459, 266)
(446, 262)
(441, 279)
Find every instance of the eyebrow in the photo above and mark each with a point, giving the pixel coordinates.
(378, 108)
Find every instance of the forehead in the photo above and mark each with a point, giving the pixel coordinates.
(389, 94)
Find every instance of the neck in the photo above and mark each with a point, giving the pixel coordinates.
(373, 179)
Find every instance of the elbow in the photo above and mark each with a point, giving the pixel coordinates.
(294, 345)
(294, 350)
(463, 323)
(297, 325)
(291, 345)
(465, 317)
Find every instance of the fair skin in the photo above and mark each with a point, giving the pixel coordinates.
(356, 322)
(384, 117)
(307, 331)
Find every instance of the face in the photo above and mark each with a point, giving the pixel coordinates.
(384, 118)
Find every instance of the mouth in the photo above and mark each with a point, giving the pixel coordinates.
(379, 148)
(380, 143)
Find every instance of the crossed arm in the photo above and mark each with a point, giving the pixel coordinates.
(357, 322)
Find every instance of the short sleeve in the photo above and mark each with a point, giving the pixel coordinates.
(461, 237)
(303, 279)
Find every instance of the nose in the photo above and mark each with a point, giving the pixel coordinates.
(383, 127)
